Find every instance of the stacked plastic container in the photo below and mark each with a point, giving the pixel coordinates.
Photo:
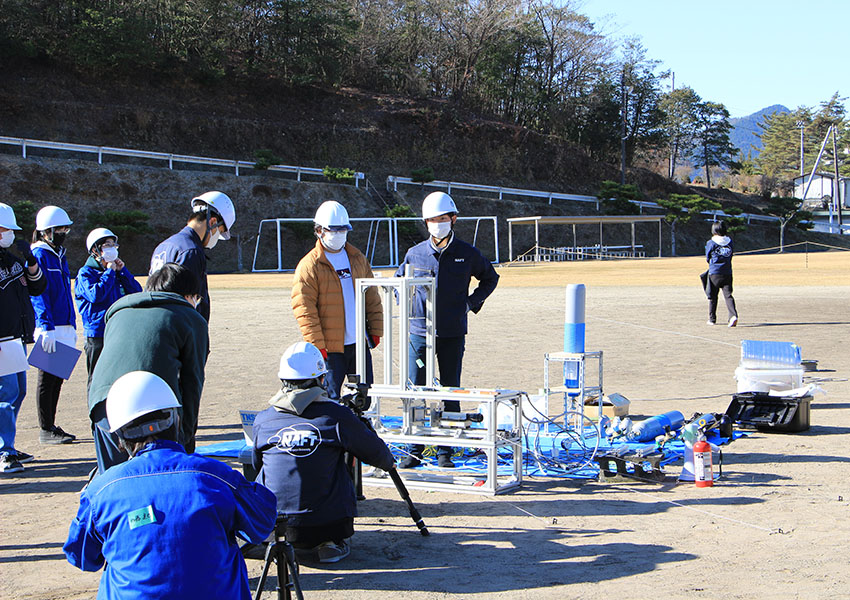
(769, 366)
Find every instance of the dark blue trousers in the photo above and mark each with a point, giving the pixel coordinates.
(344, 363)
(449, 352)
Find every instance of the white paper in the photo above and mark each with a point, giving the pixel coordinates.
(13, 358)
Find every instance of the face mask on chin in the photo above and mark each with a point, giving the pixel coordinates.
(440, 230)
(6, 238)
(214, 237)
(109, 254)
(334, 240)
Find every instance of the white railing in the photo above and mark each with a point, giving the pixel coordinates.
(394, 256)
(393, 181)
(102, 151)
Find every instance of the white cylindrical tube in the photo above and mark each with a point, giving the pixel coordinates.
(573, 331)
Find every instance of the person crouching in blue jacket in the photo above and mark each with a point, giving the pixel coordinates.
(100, 282)
(165, 522)
(299, 444)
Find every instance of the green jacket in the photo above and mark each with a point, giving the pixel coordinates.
(161, 333)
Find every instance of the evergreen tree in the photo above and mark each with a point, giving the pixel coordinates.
(713, 148)
(681, 208)
(680, 124)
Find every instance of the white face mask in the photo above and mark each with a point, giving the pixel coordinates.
(109, 254)
(334, 240)
(214, 236)
(440, 230)
(6, 238)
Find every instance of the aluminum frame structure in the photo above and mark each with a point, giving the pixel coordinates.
(414, 399)
(574, 397)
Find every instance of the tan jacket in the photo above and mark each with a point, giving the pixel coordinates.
(317, 299)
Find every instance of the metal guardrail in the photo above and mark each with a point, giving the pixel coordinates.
(102, 151)
(393, 181)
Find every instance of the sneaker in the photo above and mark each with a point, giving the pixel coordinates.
(733, 321)
(709, 322)
(55, 436)
(445, 461)
(23, 457)
(409, 462)
(10, 464)
(329, 552)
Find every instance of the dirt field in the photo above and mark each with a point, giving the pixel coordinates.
(774, 527)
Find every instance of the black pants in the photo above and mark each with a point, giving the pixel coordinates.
(93, 348)
(717, 282)
(305, 538)
(47, 398)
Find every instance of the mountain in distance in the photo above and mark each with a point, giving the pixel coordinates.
(745, 130)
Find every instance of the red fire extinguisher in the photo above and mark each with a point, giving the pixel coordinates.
(703, 477)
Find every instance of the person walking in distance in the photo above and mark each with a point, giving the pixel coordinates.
(718, 252)
(453, 263)
(54, 314)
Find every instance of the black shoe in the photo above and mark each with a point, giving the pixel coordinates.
(9, 464)
(23, 457)
(55, 435)
(254, 551)
(445, 461)
(409, 462)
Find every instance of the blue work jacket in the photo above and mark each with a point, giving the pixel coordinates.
(453, 269)
(165, 523)
(96, 289)
(718, 254)
(55, 306)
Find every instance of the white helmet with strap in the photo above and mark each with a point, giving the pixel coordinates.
(302, 360)
(52, 216)
(135, 395)
(219, 203)
(436, 204)
(332, 214)
(97, 235)
(7, 217)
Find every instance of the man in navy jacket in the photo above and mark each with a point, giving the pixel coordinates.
(299, 443)
(453, 263)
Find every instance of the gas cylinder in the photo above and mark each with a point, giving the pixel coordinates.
(703, 477)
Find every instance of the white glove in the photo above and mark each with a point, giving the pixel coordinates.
(48, 341)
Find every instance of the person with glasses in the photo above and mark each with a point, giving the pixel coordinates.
(212, 218)
(323, 297)
(100, 282)
(55, 319)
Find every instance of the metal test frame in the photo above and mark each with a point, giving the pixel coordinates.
(417, 402)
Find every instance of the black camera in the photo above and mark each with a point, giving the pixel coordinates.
(358, 400)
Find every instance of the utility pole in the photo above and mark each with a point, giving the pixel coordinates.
(836, 186)
(623, 101)
(802, 126)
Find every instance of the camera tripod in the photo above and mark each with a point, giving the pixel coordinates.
(282, 553)
(359, 402)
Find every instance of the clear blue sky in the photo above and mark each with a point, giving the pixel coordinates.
(747, 54)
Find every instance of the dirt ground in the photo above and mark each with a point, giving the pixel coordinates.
(774, 527)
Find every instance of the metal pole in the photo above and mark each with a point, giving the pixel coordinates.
(817, 162)
(802, 127)
(836, 187)
(623, 129)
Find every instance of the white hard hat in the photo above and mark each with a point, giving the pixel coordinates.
(7, 217)
(96, 235)
(436, 204)
(136, 394)
(332, 214)
(302, 360)
(220, 203)
(52, 216)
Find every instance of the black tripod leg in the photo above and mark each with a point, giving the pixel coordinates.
(402, 491)
(287, 554)
(355, 470)
(265, 574)
(282, 573)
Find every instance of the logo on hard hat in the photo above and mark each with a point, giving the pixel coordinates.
(298, 440)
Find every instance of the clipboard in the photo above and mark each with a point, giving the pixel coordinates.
(59, 363)
(13, 357)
